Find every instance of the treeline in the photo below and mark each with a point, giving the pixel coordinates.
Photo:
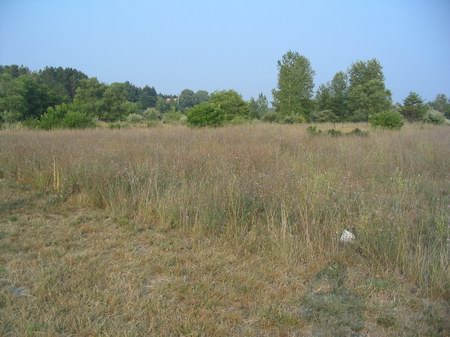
(66, 97)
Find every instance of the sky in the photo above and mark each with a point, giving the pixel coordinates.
(216, 45)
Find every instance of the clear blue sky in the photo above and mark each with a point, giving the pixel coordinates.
(212, 44)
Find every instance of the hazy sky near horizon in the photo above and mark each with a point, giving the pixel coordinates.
(214, 45)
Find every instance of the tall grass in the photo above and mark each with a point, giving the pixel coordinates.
(271, 188)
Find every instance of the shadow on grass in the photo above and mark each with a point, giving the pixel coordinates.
(332, 309)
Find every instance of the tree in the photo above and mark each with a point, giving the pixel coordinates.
(231, 103)
(223, 106)
(133, 92)
(413, 108)
(187, 99)
(62, 82)
(14, 70)
(367, 93)
(259, 106)
(441, 103)
(205, 114)
(295, 85)
(115, 103)
(339, 92)
(202, 96)
(147, 98)
(89, 97)
(332, 99)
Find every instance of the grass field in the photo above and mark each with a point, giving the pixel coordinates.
(172, 231)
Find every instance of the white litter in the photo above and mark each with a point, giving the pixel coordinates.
(347, 237)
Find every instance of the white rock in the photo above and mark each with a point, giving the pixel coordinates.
(347, 237)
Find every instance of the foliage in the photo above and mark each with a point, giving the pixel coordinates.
(291, 119)
(367, 93)
(313, 130)
(65, 116)
(205, 114)
(187, 99)
(164, 104)
(295, 85)
(152, 114)
(148, 98)
(441, 103)
(222, 107)
(333, 96)
(434, 117)
(202, 96)
(89, 97)
(259, 107)
(77, 120)
(387, 119)
(230, 103)
(62, 82)
(413, 108)
(115, 104)
(173, 117)
(324, 116)
(270, 116)
(135, 118)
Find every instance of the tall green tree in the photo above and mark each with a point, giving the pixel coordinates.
(62, 82)
(115, 103)
(367, 93)
(133, 92)
(187, 99)
(295, 85)
(15, 70)
(413, 108)
(147, 98)
(442, 104)
(89, 97)
(259, 106)
(202, 96)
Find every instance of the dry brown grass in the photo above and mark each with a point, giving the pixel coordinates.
(223, 231)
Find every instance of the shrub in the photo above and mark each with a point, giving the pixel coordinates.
(152, 114)
(172, 116)
(434, 117)
(270, 117)
(77, 120)
(53, 117)
(324, 116)
(135, 118)
(239, 120)
(63, 116)
(334, 133)
(358, 132)
(387, 119)
(205, 114)
(292, 119)
(313, 130)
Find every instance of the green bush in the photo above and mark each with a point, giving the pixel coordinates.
(292, 119)
(334, 133)
(387, 120)
(63, 116)
(77, 120)
(205, 114)
(313, 130)
(152, 114)
(270, 117)
(172, 117)
(53, 117)
(135, 118)
(358, 132)
(434, 117)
